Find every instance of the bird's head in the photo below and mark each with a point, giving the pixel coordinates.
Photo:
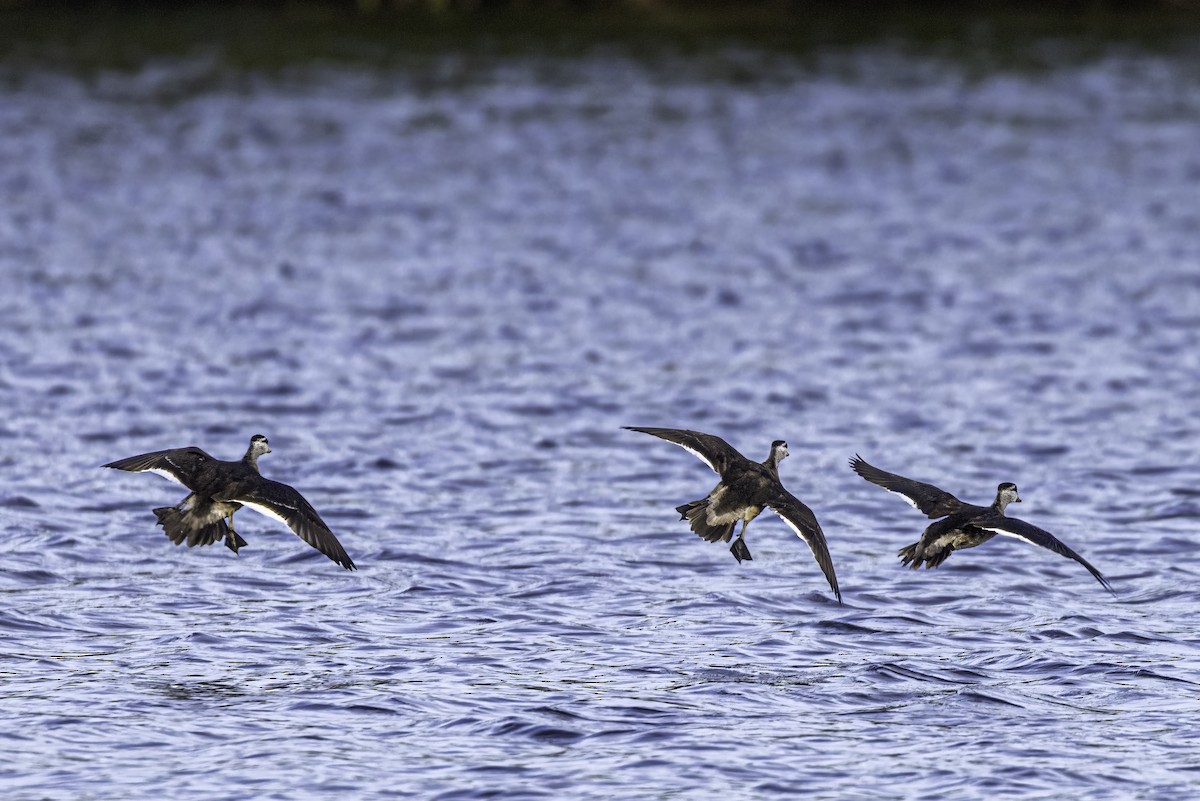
(1006, 493)
(259, 445)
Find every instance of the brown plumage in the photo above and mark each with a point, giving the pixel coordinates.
(220, 488)
(962, 525)
(745, 489)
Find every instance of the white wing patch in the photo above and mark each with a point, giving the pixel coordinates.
(698, 455)
(265, 510)
(1007, 533)
(799, 531)
(907, 499)
(167, 474)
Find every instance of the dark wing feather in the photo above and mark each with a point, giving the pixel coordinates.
(179, 464)
(1012, 527)
(281, 502)
(712, 450)
(932, 501)
(801, 520)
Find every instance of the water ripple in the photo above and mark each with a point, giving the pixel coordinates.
(442, 301)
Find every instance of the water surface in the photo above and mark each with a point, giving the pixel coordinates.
(441, 298)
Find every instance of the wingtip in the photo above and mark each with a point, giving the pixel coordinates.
(833, 585)
(341, 558)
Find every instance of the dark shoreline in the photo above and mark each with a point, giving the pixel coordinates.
(277, 35)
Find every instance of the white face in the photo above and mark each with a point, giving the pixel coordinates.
(781, 452)
(260, 446)
(1009, 495)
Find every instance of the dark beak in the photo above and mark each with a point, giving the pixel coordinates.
(1018, 500)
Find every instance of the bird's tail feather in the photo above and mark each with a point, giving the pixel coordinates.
(913, 557)
(181, 527)
(933, 560)
(696, 513)
(908, 556)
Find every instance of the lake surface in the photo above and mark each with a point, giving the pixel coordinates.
(441, 290)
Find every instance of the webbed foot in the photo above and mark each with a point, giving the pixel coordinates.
(233, 540)
(740, 551)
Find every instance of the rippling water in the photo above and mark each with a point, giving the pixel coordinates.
(440, 298)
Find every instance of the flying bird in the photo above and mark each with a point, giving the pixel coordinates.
(962, 525)
(745, 489)
(220, 488)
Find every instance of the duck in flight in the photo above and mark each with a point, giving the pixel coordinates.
(220, 488)
(962, 525)
(745, 489)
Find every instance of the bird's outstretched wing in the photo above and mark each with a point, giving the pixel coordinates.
(801, 520)
(281, 502)
(1011, 527)
(712, 450)
(181, 465)
(932, 501)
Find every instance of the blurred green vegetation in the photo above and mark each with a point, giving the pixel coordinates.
(272, 35)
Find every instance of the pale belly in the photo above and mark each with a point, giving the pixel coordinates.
(722, 512)
(957, 539)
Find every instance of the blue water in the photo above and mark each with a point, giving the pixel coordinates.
(441, 290)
